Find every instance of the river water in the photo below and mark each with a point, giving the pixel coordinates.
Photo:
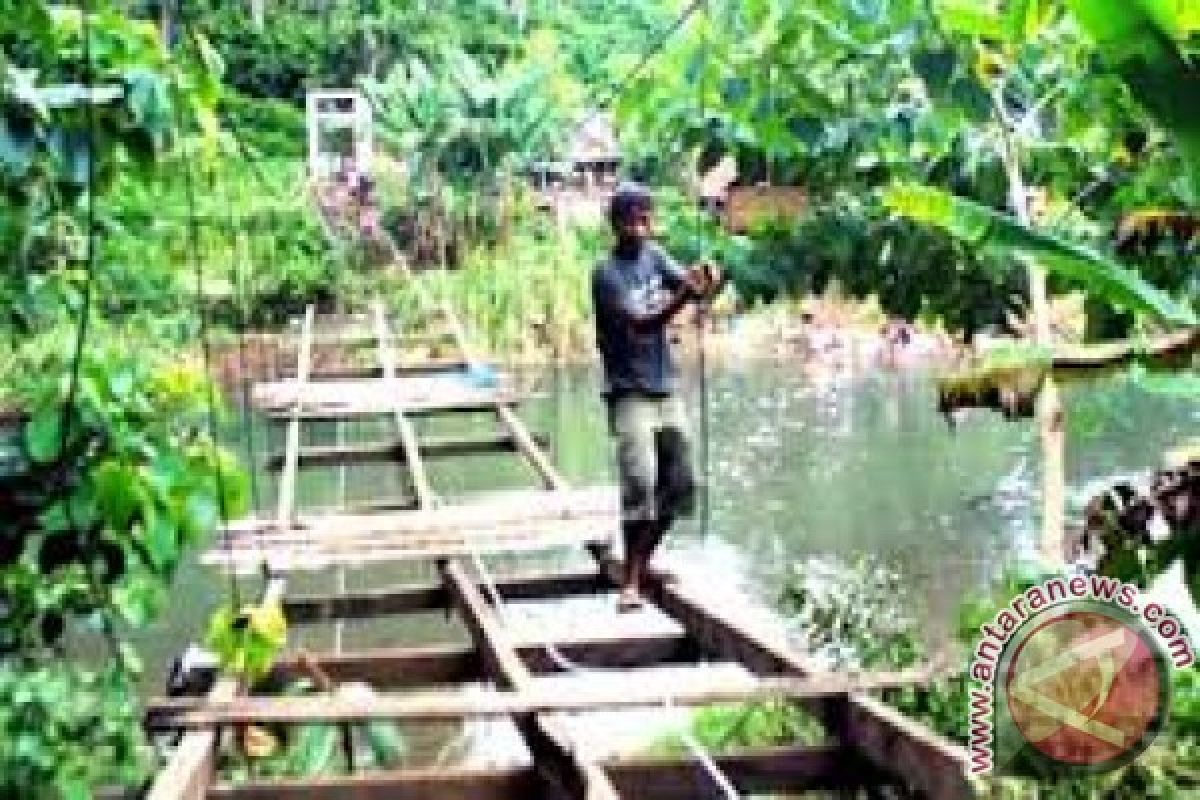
(801, 464)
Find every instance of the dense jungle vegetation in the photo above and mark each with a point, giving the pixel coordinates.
(956, 155)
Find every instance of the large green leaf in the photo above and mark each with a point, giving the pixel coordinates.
(1143, 41)
(43, 435)
(988, 229)
(972, 18)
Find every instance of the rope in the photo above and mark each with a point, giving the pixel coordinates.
(89, 251)
(193, 234)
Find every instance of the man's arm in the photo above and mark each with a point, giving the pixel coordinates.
(612, 298)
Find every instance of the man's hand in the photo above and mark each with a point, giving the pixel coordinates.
(704, 280)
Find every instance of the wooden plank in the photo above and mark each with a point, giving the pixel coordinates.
(440, 783)
(404, 368)
(304, 542)
(765, 771)
(531, 449)
(350, 336)
(691, 686)
(250, 558)
(890, 742)
(1107, 354)
(511, 507)
(464, 399)
(402, 392)
(431, 597)
(534, 454)
(189, 772)
(564, 770)
(385, 452)
(469, 402)
(408, 434)
(395, 667)
(286, 500)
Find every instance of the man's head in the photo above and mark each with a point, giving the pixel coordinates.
(631, 212)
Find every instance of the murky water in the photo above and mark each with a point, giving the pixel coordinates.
(800, 465)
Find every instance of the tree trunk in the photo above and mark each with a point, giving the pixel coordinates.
(1051, 415)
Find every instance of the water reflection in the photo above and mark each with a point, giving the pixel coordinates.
(833, 465)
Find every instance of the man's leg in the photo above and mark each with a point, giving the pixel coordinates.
(675, 480)
(633, 427)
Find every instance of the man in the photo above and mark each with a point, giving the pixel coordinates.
(636, 292)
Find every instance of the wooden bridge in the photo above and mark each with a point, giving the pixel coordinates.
(545, 672)
(546, 651)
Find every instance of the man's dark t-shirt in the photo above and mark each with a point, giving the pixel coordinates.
(635, 361)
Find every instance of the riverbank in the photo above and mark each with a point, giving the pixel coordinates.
(817, 341)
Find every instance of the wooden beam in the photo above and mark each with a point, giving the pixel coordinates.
(688, 686)
(189, 773)
(546, 471)
(756, 771)
(473, 403)
(766, 771)
(433, 597)
(1108, 354)
(496, 509)
(395, 668)
(531, 449)
(512, 783)
(392, 668)
(564, 770)
(286, 501)
(393, 452)
(248, 556)
(404, 426)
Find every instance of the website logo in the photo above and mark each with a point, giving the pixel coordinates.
(1074, 676)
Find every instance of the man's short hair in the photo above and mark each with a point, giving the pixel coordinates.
(626, 199)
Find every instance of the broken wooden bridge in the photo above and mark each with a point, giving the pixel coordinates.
(543, 653)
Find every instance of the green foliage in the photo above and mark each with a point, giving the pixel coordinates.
(858, 606)
(101, 504)
(456, 120)
(912, 271)
(1152, 45)
(51, 147)
(105, 498)
(529, 293)
(65, 730)
(852, 614)
(247, 641)
(766, 724)
(984, 228)
(272, 129)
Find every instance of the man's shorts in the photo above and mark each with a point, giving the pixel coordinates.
(653, 457)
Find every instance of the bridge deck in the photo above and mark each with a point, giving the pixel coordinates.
(547, 652)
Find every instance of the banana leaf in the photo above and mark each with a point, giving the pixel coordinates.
(313, 752)
(385, 743)
(990, 230)
(1144, 41)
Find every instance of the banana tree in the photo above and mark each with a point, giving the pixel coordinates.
(1012, 42)
(463, 129)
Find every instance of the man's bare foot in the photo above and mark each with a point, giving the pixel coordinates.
(665, 574)
(629, 600)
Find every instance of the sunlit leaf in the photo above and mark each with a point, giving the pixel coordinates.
(985, 228)
(972, 18)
